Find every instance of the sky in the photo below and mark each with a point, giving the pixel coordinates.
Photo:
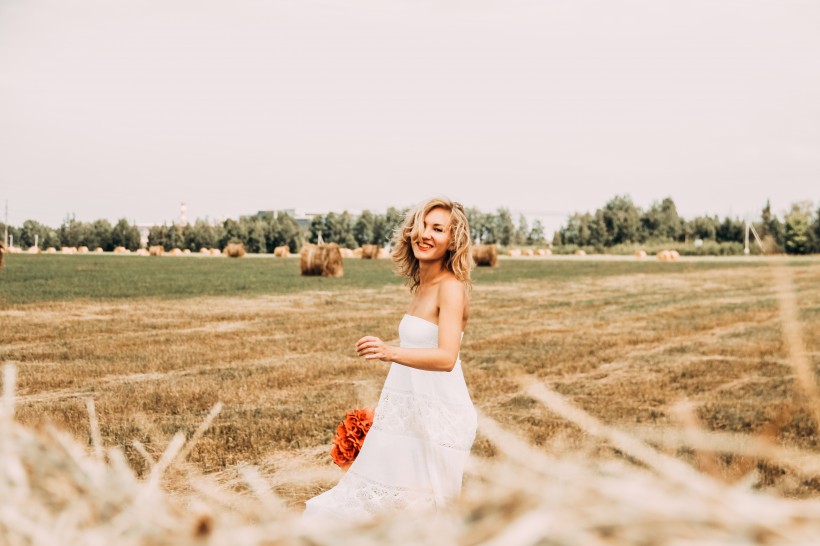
(115, 108)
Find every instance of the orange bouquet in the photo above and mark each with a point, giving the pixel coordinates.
(350, 436)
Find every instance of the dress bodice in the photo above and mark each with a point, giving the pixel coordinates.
(418, 333)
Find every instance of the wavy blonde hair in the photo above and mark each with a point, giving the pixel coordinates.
(459, 260)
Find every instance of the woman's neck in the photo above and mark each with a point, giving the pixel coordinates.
(430, 272)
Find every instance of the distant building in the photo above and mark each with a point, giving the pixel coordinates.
(302, 218)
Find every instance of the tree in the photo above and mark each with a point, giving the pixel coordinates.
(522, 231)
(175, 237)
(256, 241)
(799, 238)
(158, 236)
(598, 234)
(505, 228)
(317, 226)
(730, 230)
(31, 231)
(771, 229)
(662, 221)
(125, 234)
(623, 220)
(816, 230)
(536, 235)
(71, 232)
(198, 235)
(363, 229)
(101, 234)
(703, 227)
(234, 232)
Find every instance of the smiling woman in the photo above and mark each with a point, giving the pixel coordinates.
(414, 454)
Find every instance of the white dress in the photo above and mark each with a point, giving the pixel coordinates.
(414, 454)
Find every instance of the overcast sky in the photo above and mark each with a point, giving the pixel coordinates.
(125, 108)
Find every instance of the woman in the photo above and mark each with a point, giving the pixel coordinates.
(414, 454)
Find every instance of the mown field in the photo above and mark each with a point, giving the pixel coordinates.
(156, 342)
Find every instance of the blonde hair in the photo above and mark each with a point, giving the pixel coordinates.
(458, 261)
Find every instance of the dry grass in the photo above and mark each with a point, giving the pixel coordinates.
(627, 349)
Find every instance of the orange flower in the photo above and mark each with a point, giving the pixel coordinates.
(350, 436)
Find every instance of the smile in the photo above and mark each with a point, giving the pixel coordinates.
(424, 246)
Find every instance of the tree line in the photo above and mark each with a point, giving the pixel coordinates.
(73, 233)
(621, 222)
(618, 222)
(263, 232)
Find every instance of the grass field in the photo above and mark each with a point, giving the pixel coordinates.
(157, 341)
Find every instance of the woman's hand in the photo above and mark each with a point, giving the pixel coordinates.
(373, 348)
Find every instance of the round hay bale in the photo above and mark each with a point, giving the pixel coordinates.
(543, 252)
(175, 252)
(51, 250)
(215, 252)
(514, 252)
(68, 250)
(281, 251)
(323, 260)
(485, 255)
(383, 253)
(580, 252)
(673, 255)
(83, 250)
(234, 250)
(664, 256)
(346, 252)
(121, 250)
(357, 252)
(144, 252)
(156, 250)
(186, 251)
(528, 252)
(34, 250)
(640, 254)
(370, 252)
(98, 250)
(204, 250)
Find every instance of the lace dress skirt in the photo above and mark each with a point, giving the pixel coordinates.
(414, 454)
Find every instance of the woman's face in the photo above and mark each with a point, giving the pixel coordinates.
(436, 238)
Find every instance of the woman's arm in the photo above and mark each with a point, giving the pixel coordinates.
(451, 300)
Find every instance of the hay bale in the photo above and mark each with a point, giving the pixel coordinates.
(34, 250)
(528, 252)
(346, 252)
(51, 250)
(370, 252)
(323, 260)
(357, 252)
(98, 250)
(640, 254)
(83, 250)
(384, 253)
(143, 252)
(485, 255)
(281, 251)
(121, 250)
(543, 252)
(580, 252)
(514, 252)
(674, 255)
(175, 252)
(156, 250)
(68, 250)
(205, 251)
(664, 256)
(215, 252)
(234, 250)
(186, 251)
